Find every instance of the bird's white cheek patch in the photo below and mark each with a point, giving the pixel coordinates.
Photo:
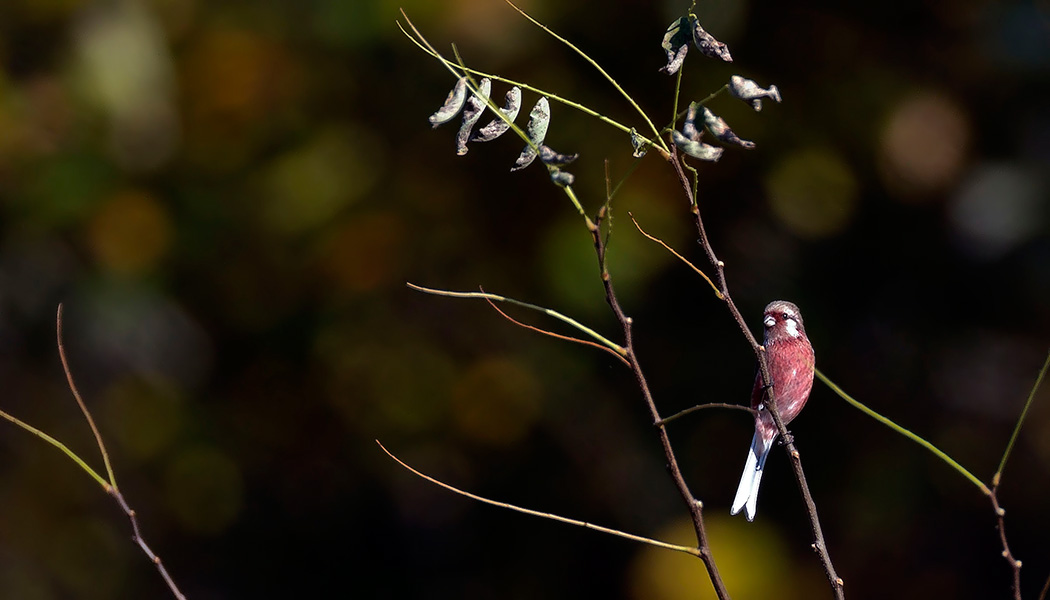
(792, 328)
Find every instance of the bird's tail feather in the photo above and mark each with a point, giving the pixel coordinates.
(747, 492)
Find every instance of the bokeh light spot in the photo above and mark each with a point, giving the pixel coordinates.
(310, 184)
(365, 253)
(997, 207)
(87, 558)
(130, 232)
(143, 418)
(813, 193)
(204, 489)
(923, 145)
(751, 558)
(496, 401)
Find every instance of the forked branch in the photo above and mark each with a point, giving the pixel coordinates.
(108, 485)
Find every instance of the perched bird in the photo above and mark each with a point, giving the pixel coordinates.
(790, 358)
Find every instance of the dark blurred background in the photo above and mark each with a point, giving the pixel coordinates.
(230, 196)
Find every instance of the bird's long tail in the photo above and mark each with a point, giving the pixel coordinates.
(747, 491)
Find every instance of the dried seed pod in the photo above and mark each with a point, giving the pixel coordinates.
(707, 43)
(475, 106)
(539, 120)
(497, 127)
(640, 147)
(453, 104)
(689, 126)
(562, 178)
(676, 45)
(721, 130)
(552, 158)
(749, 91)
(696, 148)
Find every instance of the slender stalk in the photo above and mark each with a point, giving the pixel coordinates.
(906, 433)
(80, 400)
(553, 517)
(556, 335)
(698, 407)
(599, 68)
(1020, 421)
(557, 315)
(57, 444)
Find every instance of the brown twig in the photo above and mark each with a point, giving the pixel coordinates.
(694, 505)
(630, 536)
(705, 406)
(677, 255)
(1046, 589)
(555, 335)
(80, 400)
(111, 487)
(1015, 565)
(819, 544)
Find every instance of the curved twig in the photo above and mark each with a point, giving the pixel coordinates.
(553, 517)
(555, 335)
(705, 406)
(80, 400)
(553, 313)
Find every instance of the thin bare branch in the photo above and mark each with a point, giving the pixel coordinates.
(687, 411)
(1046, 589)
(552, 313)
(136, 536)
(1015, 565)
(678, 256)
(556, 335)
(695, 507)
(1020, 421)
(111, 487)
(80, 400)
(630, 536)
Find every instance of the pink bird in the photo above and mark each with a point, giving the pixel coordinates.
(791, 359)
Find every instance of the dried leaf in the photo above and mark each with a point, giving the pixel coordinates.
(453, 104)
(475, 106)
(695, 148)
(539, 120)
(749, 91)
(708, 44)
(676, 44)
(721, 130)
(497, 127)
